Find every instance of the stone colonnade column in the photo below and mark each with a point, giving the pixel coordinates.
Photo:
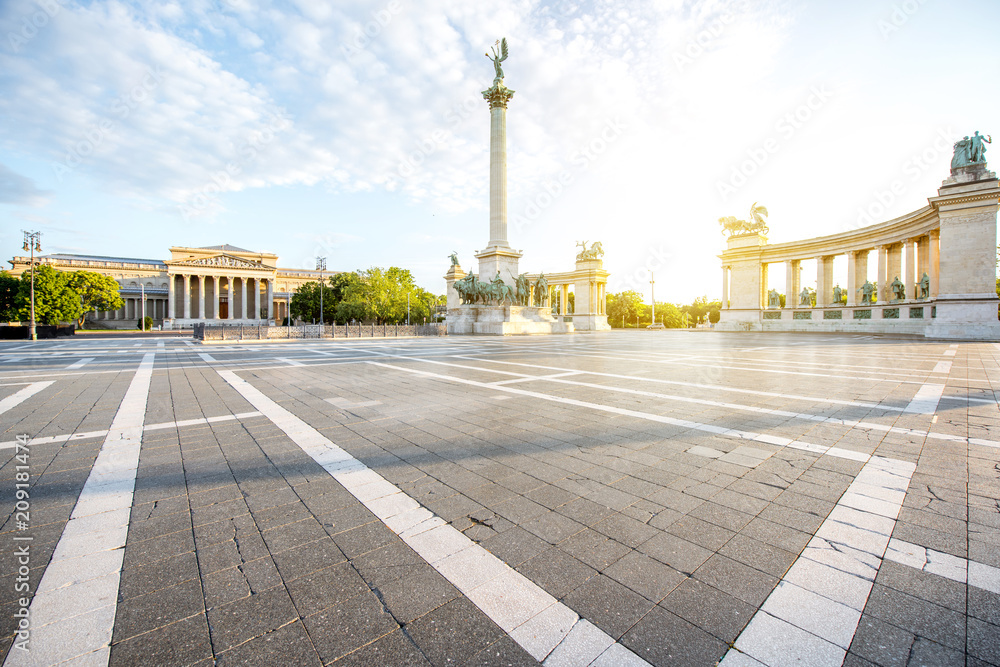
(565, 299)
(725, 286)
(852, 277)
(883, 269)
(923, 258)
(824, 280)
(171, 296)
(935, 260)
(243, 298)
(256, 298)
(911, 278)
(793, 277)
(201, 297)
(186, 289)
(894, 268)
(229, 295)
(270, 298)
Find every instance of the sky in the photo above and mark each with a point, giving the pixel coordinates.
(357, 130)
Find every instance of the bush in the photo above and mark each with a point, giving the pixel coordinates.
(148, 321)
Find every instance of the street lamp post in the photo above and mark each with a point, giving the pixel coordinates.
(142, 306)
(32, 242)
(407, 309)
(321, 266)
(652, 293)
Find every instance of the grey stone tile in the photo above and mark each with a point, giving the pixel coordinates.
(676, 552)
(594, 549)
(757, 554)
(244, 619)
(650, 578)
(739, 580)
(984, 641)
(608, 604)
(181, 643)
(454, 630)
(348, 625)
(663, 638)
(556, 571)
(394, 648)
(288, 645)
(323, 588)
(159, 608)
(929, 587)
(515, 546)
(881, 643)
(715, 612)
(416, 594)
(917, 616)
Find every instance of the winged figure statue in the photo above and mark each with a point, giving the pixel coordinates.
(498, 57)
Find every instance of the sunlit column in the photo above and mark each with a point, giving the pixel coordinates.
(243, 298)
(171, 296)
(935, 261)
(852, 277)
(911, 278)
(201, 296)
(824, 280)
(883, 270)
(270, 299)
(186, 288)
(229, 294)
(256, 298)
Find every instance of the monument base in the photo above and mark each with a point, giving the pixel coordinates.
(965, 318)
(478, 320)
(738, 319)
(590, 322)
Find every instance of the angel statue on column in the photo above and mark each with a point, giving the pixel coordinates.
(498, 57)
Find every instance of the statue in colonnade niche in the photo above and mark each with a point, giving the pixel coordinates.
(925, 286)
(804, 297)
(773, 299)
(541, 290)
(838, 293)
(867, 292)
(898, 289)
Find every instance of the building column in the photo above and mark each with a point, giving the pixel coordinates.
(243, 298)
(186, 292)
(171, 296)
(270, 299)
(565, 299)
(911, 278)
(201, 296)
(229, 295)
(923, 258)
(793, 277)
(824, 280)
(762, 297)
(894, 268)
(256, 299)
(935, 261)
(880, 277)
(852, 277)
(725, 286)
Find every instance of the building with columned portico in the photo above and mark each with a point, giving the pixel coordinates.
(215, 284)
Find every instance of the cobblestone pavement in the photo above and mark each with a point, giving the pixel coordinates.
(612, 499)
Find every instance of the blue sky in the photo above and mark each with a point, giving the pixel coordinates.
(356, 130)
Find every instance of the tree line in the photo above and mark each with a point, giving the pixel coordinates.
(376, 295)
(60, 296)
(627, 309)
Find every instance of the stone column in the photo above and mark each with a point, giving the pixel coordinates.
(565, 299)
(911, 278)
(894, 267)
(824, 280)
(171, 297)
(186, 289)
(243, 298)
(256, 299)
(923, 258)
(201, 297)
(229, 293)
(762, 297)
(498, 96)
(270, 299)
(852, 277)
(725, 286)
(935, 261)
(793, 278)
(883, 269)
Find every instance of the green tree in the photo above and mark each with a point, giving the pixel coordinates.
(306, 303)
(623, 306)
(55, 299)
(96, 291)
(671, 316)
(714, 315)
(382, 295)
(9, 286)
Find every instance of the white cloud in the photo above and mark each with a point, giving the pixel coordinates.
(20, 190)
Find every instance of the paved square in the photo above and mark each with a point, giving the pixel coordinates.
(612, 499)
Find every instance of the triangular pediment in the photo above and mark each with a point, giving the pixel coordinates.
(222, 260)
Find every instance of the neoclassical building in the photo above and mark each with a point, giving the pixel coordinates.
(214, 284)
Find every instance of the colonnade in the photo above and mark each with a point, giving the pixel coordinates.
(156, 307)
(223, 297)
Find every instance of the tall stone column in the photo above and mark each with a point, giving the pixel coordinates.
(229, 294)
(911, 278)
(894, 267)
(270, 299)
(923, 258)
(883, 270)
(793, 278)
(171, 296)
(243, 298)
(187, 296)
(935, 261)
(256, 299)
(201, 297)
(852, 277)
(498, 256)
(824, 280)
(725, 287)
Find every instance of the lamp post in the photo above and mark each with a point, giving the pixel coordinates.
(407, 309)
(142, 306)
(32, 242)
(321, 266)
(652, 293)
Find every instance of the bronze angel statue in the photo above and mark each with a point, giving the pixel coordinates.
(498, 57)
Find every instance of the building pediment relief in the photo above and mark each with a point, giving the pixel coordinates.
(220, 261)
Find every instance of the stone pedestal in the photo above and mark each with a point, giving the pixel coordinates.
(497, 259)
(589, 310)
(966, 301)
(745, 284)
(504, 321)
(455, 273)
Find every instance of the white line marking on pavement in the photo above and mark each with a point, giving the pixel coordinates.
(925, 401)
(11, 444)
(529, 615)
(80, 586)
(290, 362)
(683, 423)
(950, 353)
(11, 360)
(345, 403)
(945, 565)
(813, 613)
(207, 357)
(942, 367)
(80, 364)
(19, 397)
(530, 378)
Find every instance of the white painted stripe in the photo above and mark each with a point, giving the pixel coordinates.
(160, 346)
(683, 423)
(529, 378)
(10, 444)
(942, 367)
(19, 397)
(814, 611)
(80, 364)
(925, 401)
(80, 586)
(950, 353)
(11, 360)
(290, 362)
(532, 617)
(207, 357)
(951, 567)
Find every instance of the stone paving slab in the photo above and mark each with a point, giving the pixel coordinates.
(657, 509)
